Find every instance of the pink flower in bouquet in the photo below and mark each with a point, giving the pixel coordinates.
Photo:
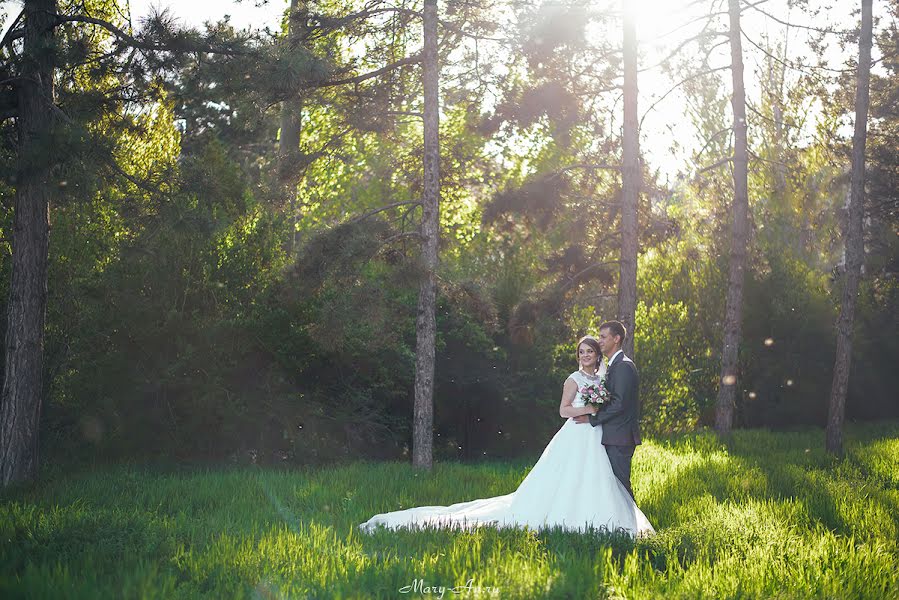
(595, 394)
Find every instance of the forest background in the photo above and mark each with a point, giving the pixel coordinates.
(213, 296)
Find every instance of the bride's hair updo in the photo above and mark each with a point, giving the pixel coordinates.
(593, 343)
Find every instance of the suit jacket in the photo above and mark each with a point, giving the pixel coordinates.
(620, 417)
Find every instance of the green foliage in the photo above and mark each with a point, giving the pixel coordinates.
(677, 342)
(667, 401)
(155, 333)
(789, 344)
(183, 320)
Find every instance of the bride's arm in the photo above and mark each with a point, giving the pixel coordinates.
(565, 409)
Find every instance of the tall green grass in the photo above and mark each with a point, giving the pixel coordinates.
(765, 515)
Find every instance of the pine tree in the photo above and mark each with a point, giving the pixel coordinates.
(854, 236)
(50, 141)
(426, 325)
(631, 177)
(733, 316)
(37, 121)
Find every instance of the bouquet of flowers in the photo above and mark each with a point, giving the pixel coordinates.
(595, 394)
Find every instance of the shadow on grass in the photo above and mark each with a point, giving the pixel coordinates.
(261, 532)
(782, 477)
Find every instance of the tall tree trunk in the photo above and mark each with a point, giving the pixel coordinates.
(22, 384)
(631, 183)
(776, 76)
(426, 325)
(855, 248)
(291, 122)
(733, 316)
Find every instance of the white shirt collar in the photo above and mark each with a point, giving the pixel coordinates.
(614, 355)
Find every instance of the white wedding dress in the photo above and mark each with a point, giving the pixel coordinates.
(572, 486)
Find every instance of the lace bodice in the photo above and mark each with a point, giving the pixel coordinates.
(581, 380)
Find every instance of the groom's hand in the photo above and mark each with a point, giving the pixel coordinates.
(582, 419)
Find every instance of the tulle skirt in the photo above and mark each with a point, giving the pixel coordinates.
(572, 486)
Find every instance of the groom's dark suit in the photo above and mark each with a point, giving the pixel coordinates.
(620, 417)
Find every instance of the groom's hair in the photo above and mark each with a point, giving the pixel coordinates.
(617, 328)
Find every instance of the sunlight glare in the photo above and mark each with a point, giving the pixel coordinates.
(655, 19)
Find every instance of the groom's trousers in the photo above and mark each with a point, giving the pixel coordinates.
(621, 457)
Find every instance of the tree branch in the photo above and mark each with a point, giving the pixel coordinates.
(714, 165)
(677, 85)
(12, 33)
(712, 139)
(767, 160)
(409, 60)
(405, 113)
(757, 113)
(703, 33)
(801, 68)
(574, 278)
(136, 43)
(141, 184)
(585, 166)
(381, 209)
(808, 27)
(688, 23)
(399, 236)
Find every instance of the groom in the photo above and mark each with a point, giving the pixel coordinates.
(620, 417)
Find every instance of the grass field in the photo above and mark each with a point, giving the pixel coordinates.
(767, 515)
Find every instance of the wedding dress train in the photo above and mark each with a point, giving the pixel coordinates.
(571, 486)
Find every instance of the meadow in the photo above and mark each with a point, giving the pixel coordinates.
(762, 515)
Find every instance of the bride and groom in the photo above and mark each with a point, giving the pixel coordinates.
(582, 479)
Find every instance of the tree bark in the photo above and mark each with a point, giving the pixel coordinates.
(291, 122)
(22, 392)
(426, 324)
(631, 177)
(733, 316)
(855, 248)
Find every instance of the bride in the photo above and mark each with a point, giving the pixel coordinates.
(572, 486)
